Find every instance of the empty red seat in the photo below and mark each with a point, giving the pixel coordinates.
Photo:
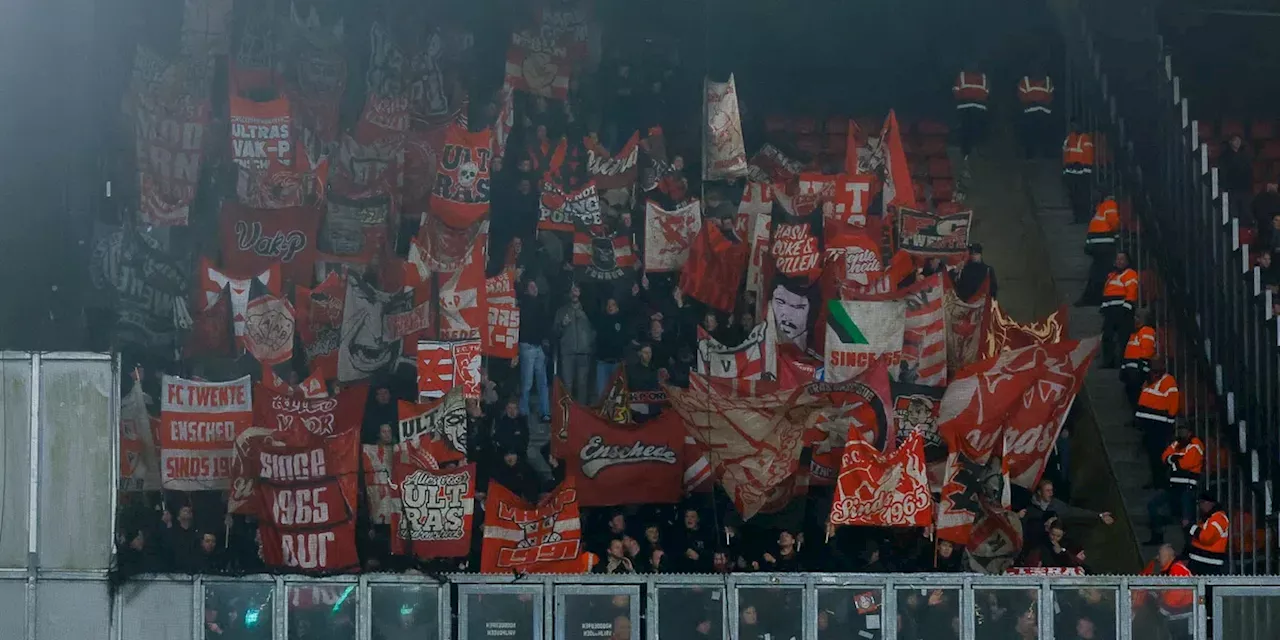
(777, 124)
(1262, 129)
(837, 124)
(919, 168)
(933, 146)
(805, 125)
(943, 190)
(932, 128)
(1270, 150)
(1215, 150)
(869, 126)
(836, 143)
(939, 168)
(809, 145)
(948, 207)
(1247, 236)
(1232, 127)
(1206, 130)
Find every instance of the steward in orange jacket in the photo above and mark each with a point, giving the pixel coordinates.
(1209, 536)
(1100, 245)
(1035, 94)
(1184, 463)
(1119, 299)
(971, 92)
(1138, 353)
(1176, 605)
(1077, 171)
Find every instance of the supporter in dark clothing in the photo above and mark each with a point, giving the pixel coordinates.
(969, 279)
(711, 324)
(694, 544)
(948, 560)
(535, 333)
(612, 337)
(1266, 205)
(679, 318)
(1052, 551)
(1235, 173)
(382, 410)
(615, 560)
(136, 556)
(510, 429)
(182, 540)
(515, 474)
(1043, 502)
(787, 558)
(209, 557)
(660, 344)
(643, 374)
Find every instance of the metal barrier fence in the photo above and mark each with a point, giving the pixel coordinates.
(1219, 336)
(650, 607)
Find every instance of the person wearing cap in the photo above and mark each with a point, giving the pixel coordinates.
(1184, 462)
(1138, 353)
(968, 279)
(1156, 414)
(1209, 536)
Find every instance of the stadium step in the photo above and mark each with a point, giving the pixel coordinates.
(1102, 424)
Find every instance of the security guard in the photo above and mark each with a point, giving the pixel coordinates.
(1077, 170)
(1177, 606)
(1100, 244)
(1119, 299)
(1036, 96)
(1157, 411)
(971, 92)
(1208, 552)
(1184, 462)
(1138, 353)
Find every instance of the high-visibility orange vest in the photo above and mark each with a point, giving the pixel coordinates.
(1186, 462)
(1077, 153)
(1121, 289)
(1174, 603)
(1036, 96)
(1140, 348)
(1159, 401)
(1209, 540)
(1104, 225)
(971, 90)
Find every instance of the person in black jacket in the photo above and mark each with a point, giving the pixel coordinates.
(510, 429)
(611, 339)
(1235, 172)
(969, 278)
(694, 545)
(786, 560)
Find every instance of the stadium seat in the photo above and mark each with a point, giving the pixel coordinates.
(943, 190)
(804, 126)
(837, 124)
(1231, 127)
(870, 126)
(932, 128)
(1261, 129)
(1247, 236)
(835, 143)
(919, 167)
(939, 168)
(1206, 130)
(809, 145)
(948, 207)
(933, 146)
(777, 124)
(1270, 150)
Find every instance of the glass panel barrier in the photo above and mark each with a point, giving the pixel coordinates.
(323, 611)
(13, 607)
(1162, 614)
(1006, 614)
(1087, 612)
(1248, 616)
(690, 612)
(851, 612)
(928, 614)
(589, 613)
(500, 611)
(403, 611)
(776, 613)
(242, 609)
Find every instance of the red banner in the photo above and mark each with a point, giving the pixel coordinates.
(355, 229)
(439, 428)
(502, 339)
(268, 329)
(616, 171)
(376, 464)
(213, 282)
(616, 464)
(252, 241)
(445, 365)
(199, 424)
(460, 196)
(306, 498)
(436, 509)
(462, 294)
(876, 490)
(525, 538)
(538, 65)
(669, 234)
(169, 137)
(602, 257)
(319, 324)
(262, 148)
(851, 200)
(966, 321)
(715, 269)
(1003, 333)
(1032, 428)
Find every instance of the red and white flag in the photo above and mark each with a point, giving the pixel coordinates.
(502, 337)
(1003, 333)
(376, 464)
(213, 281)
(771, 166)
(795, 250)
(669, 235)
(614, 171)
(538, 65)
(1032, 427)
(851, 199)
(439, 428)
(811, 189)
(751, 359)
(715, 269)
(460, 197)
(445, 365)
(462, 295)
(924, 342)
(520, 537)
(887, 159)
(876, 490)
(966, 324)
(268, 329)
(199, 424)
(139, 453)
(603, 256)
(724, 155)
(436, 508)
(995, 540)
(934, 236)
(862, 334)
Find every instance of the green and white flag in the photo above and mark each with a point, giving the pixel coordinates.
(861, 334)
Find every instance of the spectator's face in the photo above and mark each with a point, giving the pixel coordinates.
(139, 542)
(645, 354)
(945, 549)
(1264, 260)
(524, 187)
(691, 519)
(611, 307)
(510, 459)
(208, 542)
(618, 522)
(1236, 142)
(720, 561)
(185, 516)
(749, 615)
(621, 628)
(677, 163)
(709, 321)
(1122, 261)
(1165, 556)
(496, 164)
(1056, 534)
(704, 627)
(575, 293)
(785, 540)
(748, 320)
(524, 166)
(1275, 222)
(651, 534)
(1046, 491)
(384, 396)
(631, 545)
(385, 436)
(513, 409)
(655, 329)
(1094, 595)
(542, 133)
(1085, 629)
(615, 549)
(532, 288)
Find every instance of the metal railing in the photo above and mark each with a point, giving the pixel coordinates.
(1218, 333)
(649, 607)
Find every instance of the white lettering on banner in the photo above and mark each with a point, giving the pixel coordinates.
(292, 466)
(296, 507)
(199, 431)
(433, 506)
(228, 397)
(597, 456)
(862, 359)
(195, 466)
(250, 142)
(307, 550)
(284, 245)
(887, 505)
